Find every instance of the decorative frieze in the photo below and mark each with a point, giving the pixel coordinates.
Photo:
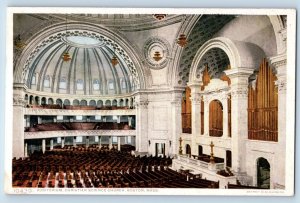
(18, 101)
(54, 112)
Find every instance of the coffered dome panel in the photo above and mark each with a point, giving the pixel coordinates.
(89, 72)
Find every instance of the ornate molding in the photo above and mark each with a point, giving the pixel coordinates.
(18, 101)
(239, 93)
(156, 44)
(142, 104)
(281, 85)
(31, 111)
(72, 133)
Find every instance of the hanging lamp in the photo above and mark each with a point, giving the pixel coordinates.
(66, 56)
(114, 60)
(182, 40)
(159, 16)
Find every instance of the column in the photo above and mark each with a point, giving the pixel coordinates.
(99, 142)
(87, 142)
(196, 115)
(141, 122)
(176, 122)
(62, 142)
(74, 141)
(43, 146)
(119, 143)
(51, 144)
(39, 120)
(279, 62)
(18, 121)
(27, 121)
(239, 116)
(110, 142)
(206, 115)
(224, 101)
(129, 121)
(26, 150)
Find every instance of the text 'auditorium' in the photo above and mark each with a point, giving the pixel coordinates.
(149, 101)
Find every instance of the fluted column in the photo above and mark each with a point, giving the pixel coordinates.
(196, 115)
(119, 143)
(74, 141)
(279, 62)
(62, 142)
(51, 144)
(239, 115)
(87, 142)
(99, 142)
(142, 123)
(176, 120)
(18, 121)
(43, 145)
(206, 115)
(110, 146)
(224, 101)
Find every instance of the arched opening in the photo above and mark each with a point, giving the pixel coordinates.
(215, 119)
(75, 102)
(59, 102)
(99, 103)
(92, 103)
(121, 102)
(67, 102)
(188, 150)
(83, 103)
(263, 173)
(50, 101)
(107, 103)
(43, 101)
(31, 100)
(37, 100)
(200, 150)
(127, 102)
(114, 103)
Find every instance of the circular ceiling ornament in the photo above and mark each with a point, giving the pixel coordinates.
(154, 47)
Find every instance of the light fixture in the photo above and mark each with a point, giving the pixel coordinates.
(182, 41)
(157, 56)
(159, 16)
(66, 56)
(19, 44)
(114, 60)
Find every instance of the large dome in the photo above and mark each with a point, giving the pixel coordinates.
(89, 72)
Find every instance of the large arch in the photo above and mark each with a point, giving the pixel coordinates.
(240, 54)
(42, 38)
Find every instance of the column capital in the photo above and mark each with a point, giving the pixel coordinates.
(279, 63)
(239, 75)
(196, 99)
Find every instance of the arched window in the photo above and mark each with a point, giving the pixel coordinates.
(96, 84)
(79, 84)
(215, 118)
(47, 81)
(63, 83)
(111, 85)
(123, 83)
(33, 79)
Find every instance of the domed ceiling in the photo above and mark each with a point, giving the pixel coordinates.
(89, 72)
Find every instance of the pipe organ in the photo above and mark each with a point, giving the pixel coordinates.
(186, 115)
(263, 106)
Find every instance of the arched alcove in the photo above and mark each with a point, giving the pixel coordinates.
(215, 118)
(263, 173)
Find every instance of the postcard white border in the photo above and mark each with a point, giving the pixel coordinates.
(290, 95)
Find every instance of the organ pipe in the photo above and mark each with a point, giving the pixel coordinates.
(263, 106)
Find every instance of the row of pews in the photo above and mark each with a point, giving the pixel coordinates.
(76, 168)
